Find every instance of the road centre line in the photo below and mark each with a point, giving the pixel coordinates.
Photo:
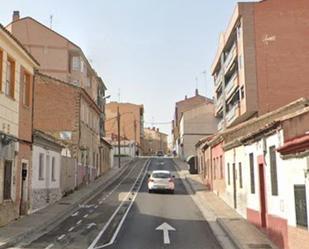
(78, 222)
(71, 229)
(92, 245)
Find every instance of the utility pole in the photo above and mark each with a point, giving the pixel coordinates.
(118, 124)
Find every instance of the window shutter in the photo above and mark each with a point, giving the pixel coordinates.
(273, 170)
(252, 180)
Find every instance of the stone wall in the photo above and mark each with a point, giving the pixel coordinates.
(43, 197)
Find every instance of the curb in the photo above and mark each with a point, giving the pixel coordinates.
(229, 233)
(59, 218)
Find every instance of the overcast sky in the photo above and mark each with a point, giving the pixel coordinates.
(151, 50)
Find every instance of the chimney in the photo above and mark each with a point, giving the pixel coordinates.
(153, 128)
(15, 15)
(186, 97)
(196, 92)
(158, 130)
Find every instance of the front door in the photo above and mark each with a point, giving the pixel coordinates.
(301, 205)
(234, 186)
(7, 180)
(23, 189)
(262, 195)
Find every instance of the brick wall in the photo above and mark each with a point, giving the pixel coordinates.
(281, 63)
(56, 107)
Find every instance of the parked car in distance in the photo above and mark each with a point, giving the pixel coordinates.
(160, 153)
(161, 180)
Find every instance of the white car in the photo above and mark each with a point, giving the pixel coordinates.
(161, 180)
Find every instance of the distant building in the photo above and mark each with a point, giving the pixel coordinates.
(197, 123)
(261, 59)
(154, 141)
(131, 123)
(17, 68)
(69, 114)
(181, 107)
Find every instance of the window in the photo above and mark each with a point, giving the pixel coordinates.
(273, 170)
(76, 63)
(41, 166)
(228, 174)
(252, 180)
(240, 175)
(10, 78)
(26, 89)
(242, 92)
(7, 180)
(53, 173)
(221, 168)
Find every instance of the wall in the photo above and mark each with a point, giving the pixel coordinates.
(67, 175)
(218, 176)
(236, 156)
(44, 191)
(281, 62)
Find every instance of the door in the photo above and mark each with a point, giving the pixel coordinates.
(23, 189)
(7, 180)
(234, 186)
(262, 195)
(301, 205)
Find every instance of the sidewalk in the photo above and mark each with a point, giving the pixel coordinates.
(243, 234)
(29, 225)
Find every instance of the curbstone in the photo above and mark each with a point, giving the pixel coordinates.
(229, 233)
(57, 219)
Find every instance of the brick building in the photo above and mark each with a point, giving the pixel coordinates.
(182, 106)
(154, 141)
(68, 113)
(17, 68)
(131, 122)
(260, 60)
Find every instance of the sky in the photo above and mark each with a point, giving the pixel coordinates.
(150, 52)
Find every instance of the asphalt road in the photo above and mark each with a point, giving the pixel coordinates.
(81, 227)
(151, 210)
(127, 216)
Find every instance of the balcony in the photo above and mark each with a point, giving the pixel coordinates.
(230, 57)
(218, 80)
(219, 103)
(232, 114)
(231, 85)
(221, 125)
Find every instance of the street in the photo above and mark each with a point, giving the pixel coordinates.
(116, 218)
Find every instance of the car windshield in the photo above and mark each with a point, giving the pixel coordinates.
(161, 175)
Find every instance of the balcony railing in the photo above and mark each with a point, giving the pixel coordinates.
(219, 102)
(230, 56)
(232, 114)
(219, 77)
(221, 125)
(229, 86)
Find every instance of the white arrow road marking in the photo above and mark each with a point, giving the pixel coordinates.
(75, 214)
(166, 228)
(49, 246)
(91, 225)
(61, 237)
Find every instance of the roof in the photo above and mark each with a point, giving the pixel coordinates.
(74, 44)
(19, 44)
(47, 137)
(296, 145)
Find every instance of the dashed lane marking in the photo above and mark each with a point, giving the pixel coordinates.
(78, 222)
(71, 229)
(49, 246)
(61, 237)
